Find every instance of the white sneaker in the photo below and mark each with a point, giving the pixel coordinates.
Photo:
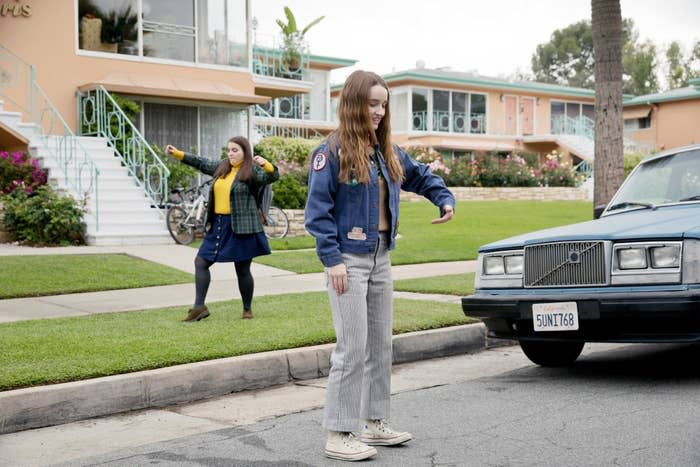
(378, 433)
(345, 446)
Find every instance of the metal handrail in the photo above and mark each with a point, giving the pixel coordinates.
(565, 125)
(79, 171)
(100, 115)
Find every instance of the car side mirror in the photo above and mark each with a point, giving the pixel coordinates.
(598, 210)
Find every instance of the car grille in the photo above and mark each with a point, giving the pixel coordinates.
(564, 264)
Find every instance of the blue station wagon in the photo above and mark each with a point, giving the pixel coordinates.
(632, 275)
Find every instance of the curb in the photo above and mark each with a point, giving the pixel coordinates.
(23, 409)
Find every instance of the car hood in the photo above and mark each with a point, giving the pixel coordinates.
(663, 223)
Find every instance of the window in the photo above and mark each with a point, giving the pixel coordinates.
(456, 112)
(572, 118)
(419, 116)
(632, 124)
(215, 33)
(477, 113)
(204, 130)
(441, 110)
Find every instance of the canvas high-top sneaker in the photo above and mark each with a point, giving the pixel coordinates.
(345, 446)
(378, 433)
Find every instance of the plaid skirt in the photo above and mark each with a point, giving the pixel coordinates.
(222, 245)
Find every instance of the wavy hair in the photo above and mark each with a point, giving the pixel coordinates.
(245, 171)
(355, 130)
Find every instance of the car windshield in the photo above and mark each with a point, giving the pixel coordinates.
(671, 179)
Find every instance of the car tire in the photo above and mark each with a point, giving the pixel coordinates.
(552, 353)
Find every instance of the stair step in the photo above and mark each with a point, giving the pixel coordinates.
(118, 238)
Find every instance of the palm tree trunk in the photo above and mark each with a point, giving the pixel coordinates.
(606, 27)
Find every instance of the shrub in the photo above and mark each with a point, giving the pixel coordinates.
(20, 172)
(555, 172)
(277, 148)
(289, 193)
(43, 218)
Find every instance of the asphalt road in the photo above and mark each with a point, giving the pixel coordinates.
(631, 405)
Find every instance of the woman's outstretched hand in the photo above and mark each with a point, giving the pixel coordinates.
(169, 149)
(448, 213)
(261, 161)
(338, 276)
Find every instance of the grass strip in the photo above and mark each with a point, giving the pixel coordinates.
(475, 223)
(449, 284)
(38, 275)
(39, 352)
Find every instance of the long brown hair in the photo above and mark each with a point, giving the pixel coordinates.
(355, 129)
(245, 171)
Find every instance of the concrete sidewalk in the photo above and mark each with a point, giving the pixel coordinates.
(268, 281)
(60, 403)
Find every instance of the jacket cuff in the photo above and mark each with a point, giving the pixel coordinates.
(268, 167)
(177, 154)
(332, 259)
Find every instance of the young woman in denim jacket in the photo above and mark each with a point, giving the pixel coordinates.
(352, 210)
(235, 233)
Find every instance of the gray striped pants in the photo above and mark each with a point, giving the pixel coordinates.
(359, 382)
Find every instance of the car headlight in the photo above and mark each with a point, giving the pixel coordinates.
(503, 269)
(493, 265)
(665, 256)
(650, 262)
(514, 264)
(632, 258)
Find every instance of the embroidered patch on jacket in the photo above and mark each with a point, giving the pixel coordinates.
(320, 160)
(357, 234)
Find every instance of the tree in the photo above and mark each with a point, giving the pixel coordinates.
(606, 26)
(679, 68)
(567, 59)
(639, 68)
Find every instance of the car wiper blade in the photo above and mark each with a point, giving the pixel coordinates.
(625, 204)
(690, 198)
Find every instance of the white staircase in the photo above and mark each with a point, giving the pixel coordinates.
(124, 215)
(579, 145)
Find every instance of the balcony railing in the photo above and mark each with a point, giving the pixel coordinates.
(565, 125)
(278, 63)
(453, 122)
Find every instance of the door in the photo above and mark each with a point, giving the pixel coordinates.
(511, 109)
(527, 115)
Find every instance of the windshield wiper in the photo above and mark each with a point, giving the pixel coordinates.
(690, 198)
(625, 204)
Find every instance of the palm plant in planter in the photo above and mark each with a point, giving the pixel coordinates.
(293, 40)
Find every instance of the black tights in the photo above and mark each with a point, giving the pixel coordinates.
(202, 278)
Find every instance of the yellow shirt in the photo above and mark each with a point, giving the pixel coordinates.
(222, 191)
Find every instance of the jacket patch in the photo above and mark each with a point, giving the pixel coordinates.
(320, 161)
(357, 234)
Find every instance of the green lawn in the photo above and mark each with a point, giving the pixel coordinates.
(475, 223)
(37, 275)
(47, 351)
(451, 284)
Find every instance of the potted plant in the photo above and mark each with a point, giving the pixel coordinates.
(293, 40)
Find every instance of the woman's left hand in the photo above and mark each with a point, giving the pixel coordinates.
(448, 213)
(259, 160)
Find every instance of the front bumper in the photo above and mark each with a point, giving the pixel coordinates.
(629, 316)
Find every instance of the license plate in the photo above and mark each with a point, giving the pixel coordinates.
(559, 316)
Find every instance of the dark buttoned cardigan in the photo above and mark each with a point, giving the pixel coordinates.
(244, 209)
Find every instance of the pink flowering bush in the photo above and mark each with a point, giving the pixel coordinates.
(18, 171)
(556, 172)
(494, 170)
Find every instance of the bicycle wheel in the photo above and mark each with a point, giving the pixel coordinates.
(181, 232)
(277, 223)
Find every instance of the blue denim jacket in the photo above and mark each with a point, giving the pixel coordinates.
(344, 217)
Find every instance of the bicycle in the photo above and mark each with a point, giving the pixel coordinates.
(187, 217)
(276, 223)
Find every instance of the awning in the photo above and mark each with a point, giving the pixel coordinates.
(639, 112)
(161, 85)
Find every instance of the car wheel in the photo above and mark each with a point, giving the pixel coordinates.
(552, 353)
